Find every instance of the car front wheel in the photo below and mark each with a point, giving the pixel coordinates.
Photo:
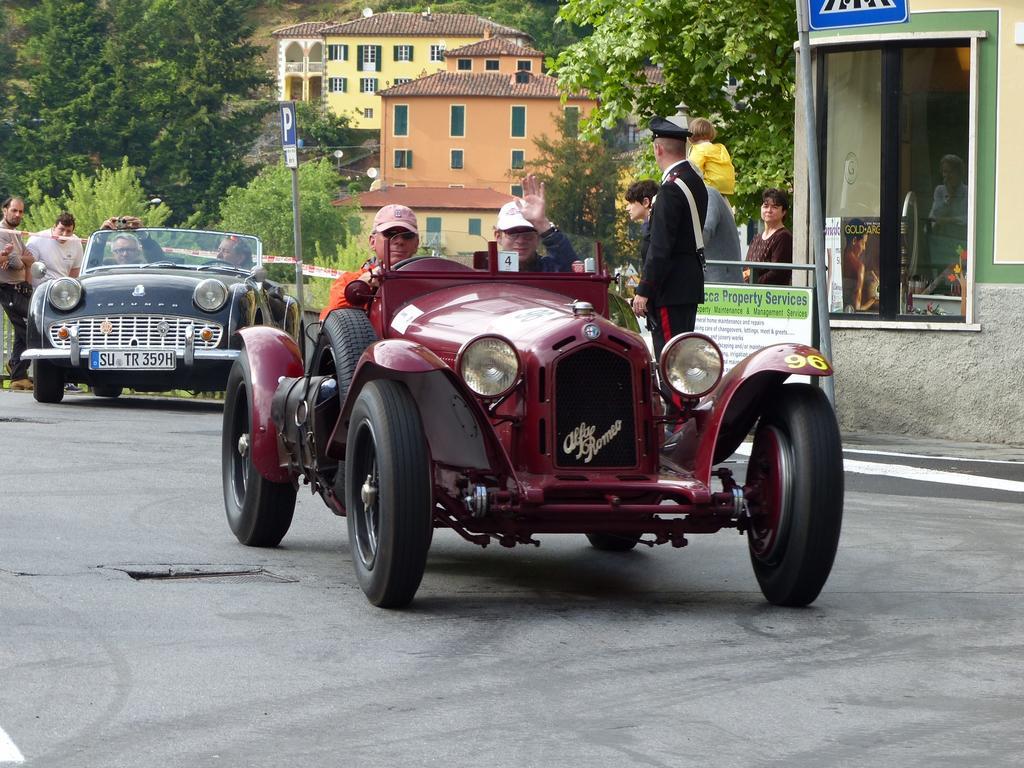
(259, 511)
(388, 498)
(49, 383)
(794, 491)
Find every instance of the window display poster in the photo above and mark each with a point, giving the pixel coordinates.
(834, 259)
(743, 319)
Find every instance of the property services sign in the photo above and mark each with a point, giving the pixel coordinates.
(836, 14)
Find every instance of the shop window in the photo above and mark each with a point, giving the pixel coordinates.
(896, 149)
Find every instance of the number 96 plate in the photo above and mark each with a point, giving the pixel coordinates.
(132, 360)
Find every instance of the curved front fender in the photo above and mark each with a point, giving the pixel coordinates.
(455, 424)
(724, 418)
(271, 353)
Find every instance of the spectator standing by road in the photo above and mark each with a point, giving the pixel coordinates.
(523, 225)
(15, 290)
(57, 248)
(775, 244)
(721, 240)
(639, 199)
(672, 281)
(711, 159)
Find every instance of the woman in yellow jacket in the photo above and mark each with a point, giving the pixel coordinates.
(713, 160)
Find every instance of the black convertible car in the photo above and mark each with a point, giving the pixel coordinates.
(153, 310)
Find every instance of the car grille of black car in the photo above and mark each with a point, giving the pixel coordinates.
(595, 412)
(146, 331)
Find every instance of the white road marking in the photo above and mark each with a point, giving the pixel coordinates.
(9, 752)
(931, 456)
(922, 475)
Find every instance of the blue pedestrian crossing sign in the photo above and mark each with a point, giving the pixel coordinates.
(836, 14)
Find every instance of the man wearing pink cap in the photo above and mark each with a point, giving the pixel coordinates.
(394, 230)
(523, 224)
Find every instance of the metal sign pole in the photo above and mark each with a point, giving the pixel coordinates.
(297, 230)
(289, 143)
(817, 228)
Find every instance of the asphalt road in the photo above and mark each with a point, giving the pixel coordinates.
(557, 656)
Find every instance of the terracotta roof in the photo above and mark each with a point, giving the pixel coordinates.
(305, 29)
(464, 198)
(496, 46)
(654, 75)
(538, 86)
(421, 24)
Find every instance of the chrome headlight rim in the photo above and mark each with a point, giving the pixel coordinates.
(67, 287)
(214, 303)
(681, 344)
(511, 376)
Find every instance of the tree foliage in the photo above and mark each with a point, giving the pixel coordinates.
(264, 208)
(698, 47)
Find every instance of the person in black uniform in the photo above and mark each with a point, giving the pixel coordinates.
(672, 275)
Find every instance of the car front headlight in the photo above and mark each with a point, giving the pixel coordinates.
(691, 365)
(210, 295)
(65, 293)
(489, 365)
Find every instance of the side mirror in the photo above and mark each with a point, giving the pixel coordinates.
(358, 293)
(38, 270)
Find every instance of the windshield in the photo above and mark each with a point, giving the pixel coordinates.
(187, 249)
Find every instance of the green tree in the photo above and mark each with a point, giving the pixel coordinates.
(700, 47)
(580, 178)
(93, 198)
(263, 208)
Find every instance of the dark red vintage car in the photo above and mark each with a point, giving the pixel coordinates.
(507, 405)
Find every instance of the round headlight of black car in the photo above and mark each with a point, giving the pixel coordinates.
(489, 365)
(65, 293)
(691, 365)
(210, 295)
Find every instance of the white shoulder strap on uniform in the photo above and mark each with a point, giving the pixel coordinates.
(698, 234)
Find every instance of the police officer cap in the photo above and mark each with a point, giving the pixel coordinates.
(670, 127)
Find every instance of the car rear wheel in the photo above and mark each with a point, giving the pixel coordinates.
(613, 542)
(106, 390)
(794, 491)
(389, 498)
(49, 383)
(259, 511)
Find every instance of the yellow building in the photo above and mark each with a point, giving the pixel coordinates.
(300, 61)
(378, 51)
(452, 222)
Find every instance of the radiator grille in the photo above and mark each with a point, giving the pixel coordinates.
(595, 412)
(145, 331)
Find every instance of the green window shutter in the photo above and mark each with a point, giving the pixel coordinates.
(433, 223)
(344, 52)
(379, 58)
(408, 158)
(344, 85)
(458, 121)
(474, 226)
(412, 48)
(519, 122)
(359, 58)
(401, 120)
(394, 53)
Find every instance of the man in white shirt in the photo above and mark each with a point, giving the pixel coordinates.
(58, 249)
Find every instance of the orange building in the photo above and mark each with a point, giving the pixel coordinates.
(473, 125)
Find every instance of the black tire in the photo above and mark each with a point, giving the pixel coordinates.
(106, 390)
(259, 511)
(613, 542)
(389, 499)
(794, 490)
(49, 383)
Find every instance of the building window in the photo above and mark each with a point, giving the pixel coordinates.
(401, 120)
(457, 125)
(465, 65)
(433, 237)
(403, 158)
(474, 227)
(524, 65)
(368, 85)
(403, 53)
(437, 53)
(402, 80)
(516, 190)
(522, 78)
(369, 58)
(336, 52)
(492, 65)
(368, 112)
(457, 159)
(898, 238)
(518, 159)
(518, 122)
(337, 85)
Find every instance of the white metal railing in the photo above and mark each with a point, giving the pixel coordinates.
(293, 66)
(316, 66)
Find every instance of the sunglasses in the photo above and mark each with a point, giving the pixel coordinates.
(400, 234)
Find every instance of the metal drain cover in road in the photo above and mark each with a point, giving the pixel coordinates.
(195, 573)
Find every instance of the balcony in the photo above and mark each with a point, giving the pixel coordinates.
(292, 67)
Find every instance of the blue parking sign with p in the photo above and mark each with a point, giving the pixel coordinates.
(288, 124)
(836, 14)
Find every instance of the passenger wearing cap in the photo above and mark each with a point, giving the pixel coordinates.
(394, 230)
(523, 225)
(672, 275)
